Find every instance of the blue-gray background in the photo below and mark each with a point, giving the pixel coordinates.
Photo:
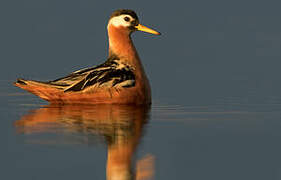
(206, 46)
(224, 53)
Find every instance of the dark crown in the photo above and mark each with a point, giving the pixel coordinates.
(124, 11)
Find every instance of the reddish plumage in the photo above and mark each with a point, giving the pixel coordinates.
(140, 94)
(120, 45)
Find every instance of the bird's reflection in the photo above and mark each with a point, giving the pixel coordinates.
(120, 127)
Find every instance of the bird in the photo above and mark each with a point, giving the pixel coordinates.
(121, 79)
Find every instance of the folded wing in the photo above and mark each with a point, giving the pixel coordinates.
(110, 74)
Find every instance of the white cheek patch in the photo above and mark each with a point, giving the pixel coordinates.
(119, 21)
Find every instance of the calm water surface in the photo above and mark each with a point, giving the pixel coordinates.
(215, 77)
(230, 139)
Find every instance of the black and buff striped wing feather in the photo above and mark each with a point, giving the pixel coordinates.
(110, 74)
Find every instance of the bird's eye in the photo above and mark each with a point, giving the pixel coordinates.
(126, 18)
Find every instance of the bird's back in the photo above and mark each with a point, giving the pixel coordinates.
(104, 80)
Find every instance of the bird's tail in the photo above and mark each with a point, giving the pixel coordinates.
(43, 90)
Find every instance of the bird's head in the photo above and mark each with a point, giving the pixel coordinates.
(127, 21)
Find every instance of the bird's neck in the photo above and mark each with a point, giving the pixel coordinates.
(121, 45)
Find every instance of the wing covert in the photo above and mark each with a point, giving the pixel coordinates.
(114, 74)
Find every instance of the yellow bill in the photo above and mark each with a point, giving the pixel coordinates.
(140, 27)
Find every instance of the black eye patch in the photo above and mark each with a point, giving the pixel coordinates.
(127, 19)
